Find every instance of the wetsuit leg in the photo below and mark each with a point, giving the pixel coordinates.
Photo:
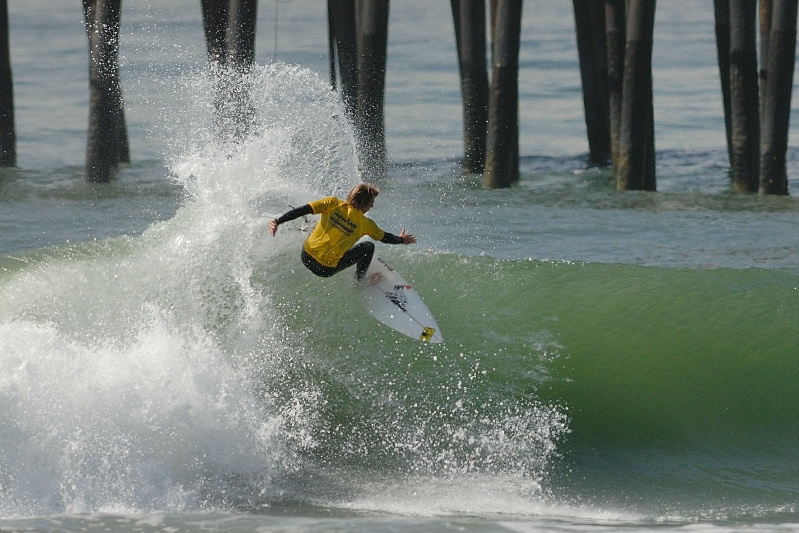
(315, 266)
(360, 254)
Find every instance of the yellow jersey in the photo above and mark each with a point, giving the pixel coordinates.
(339, 228)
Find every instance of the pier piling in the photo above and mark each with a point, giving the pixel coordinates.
(8, 138)
(342, 34)
(469, 17)
(107, 139)
(229, 27)
(615, 38)
(721, 10)
(636, 166)
(372, 21)
(744, 107)
(764, 17)
(777, 105)
(502, 141)
(589, 22)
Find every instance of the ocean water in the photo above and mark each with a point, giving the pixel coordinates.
(614, 361)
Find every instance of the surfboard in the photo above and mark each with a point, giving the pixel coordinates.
(392, 301)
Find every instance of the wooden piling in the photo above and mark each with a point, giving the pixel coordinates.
(8, 138)
(615, 37)
(764, 18)
(636, 168)
(502, 141)
(589, 18)
(469, 17)
(777, 108)
(229, 27)
(242, 15)
(107, 143)
(344, 53)
(372, 20)
(721, 11)
(215, 19)
(744, 108)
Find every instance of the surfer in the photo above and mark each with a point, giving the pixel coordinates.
(331, 247)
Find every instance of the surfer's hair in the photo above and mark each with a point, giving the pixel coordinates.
(362, 195)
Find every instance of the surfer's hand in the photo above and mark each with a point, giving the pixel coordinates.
(407, 238)
(273, 227)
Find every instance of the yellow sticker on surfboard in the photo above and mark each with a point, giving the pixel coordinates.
(427, 334)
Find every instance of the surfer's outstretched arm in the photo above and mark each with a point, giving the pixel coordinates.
(297, 212)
